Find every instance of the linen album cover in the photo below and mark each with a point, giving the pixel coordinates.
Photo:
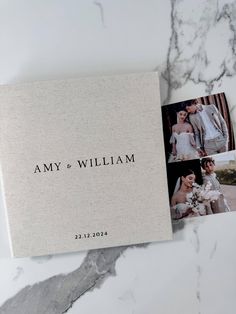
(83, 164)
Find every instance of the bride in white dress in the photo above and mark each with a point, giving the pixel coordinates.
(180, 208)
(182, 140)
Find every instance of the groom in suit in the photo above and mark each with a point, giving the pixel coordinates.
(208, 165)
(210, 129)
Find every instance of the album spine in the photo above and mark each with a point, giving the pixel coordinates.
(2, 187)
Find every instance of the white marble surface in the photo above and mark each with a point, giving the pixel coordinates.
(192, 44)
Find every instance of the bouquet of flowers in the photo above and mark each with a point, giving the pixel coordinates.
(200, 197)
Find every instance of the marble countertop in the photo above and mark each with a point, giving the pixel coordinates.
(192, 44)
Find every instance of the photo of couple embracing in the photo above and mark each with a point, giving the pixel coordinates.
(200, 156)
(197, 128)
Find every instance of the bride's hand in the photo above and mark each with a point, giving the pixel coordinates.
(174, 152)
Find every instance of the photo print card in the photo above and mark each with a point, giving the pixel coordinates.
(200, 156)
(83, 164)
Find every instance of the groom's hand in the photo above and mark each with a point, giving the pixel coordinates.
(201, 152)
(204, 153)
(188, 212)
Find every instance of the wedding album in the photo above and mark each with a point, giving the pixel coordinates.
(83, 164)
(200, 157)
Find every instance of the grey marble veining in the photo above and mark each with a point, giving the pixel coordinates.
(19, 272)
(57, 294)
(199, 30)
(101, 12)
(213, 251)
(41, 259)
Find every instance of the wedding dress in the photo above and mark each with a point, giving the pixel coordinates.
(184, 146)
(180, 209)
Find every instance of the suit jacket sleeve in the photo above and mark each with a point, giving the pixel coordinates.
(222, 123)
